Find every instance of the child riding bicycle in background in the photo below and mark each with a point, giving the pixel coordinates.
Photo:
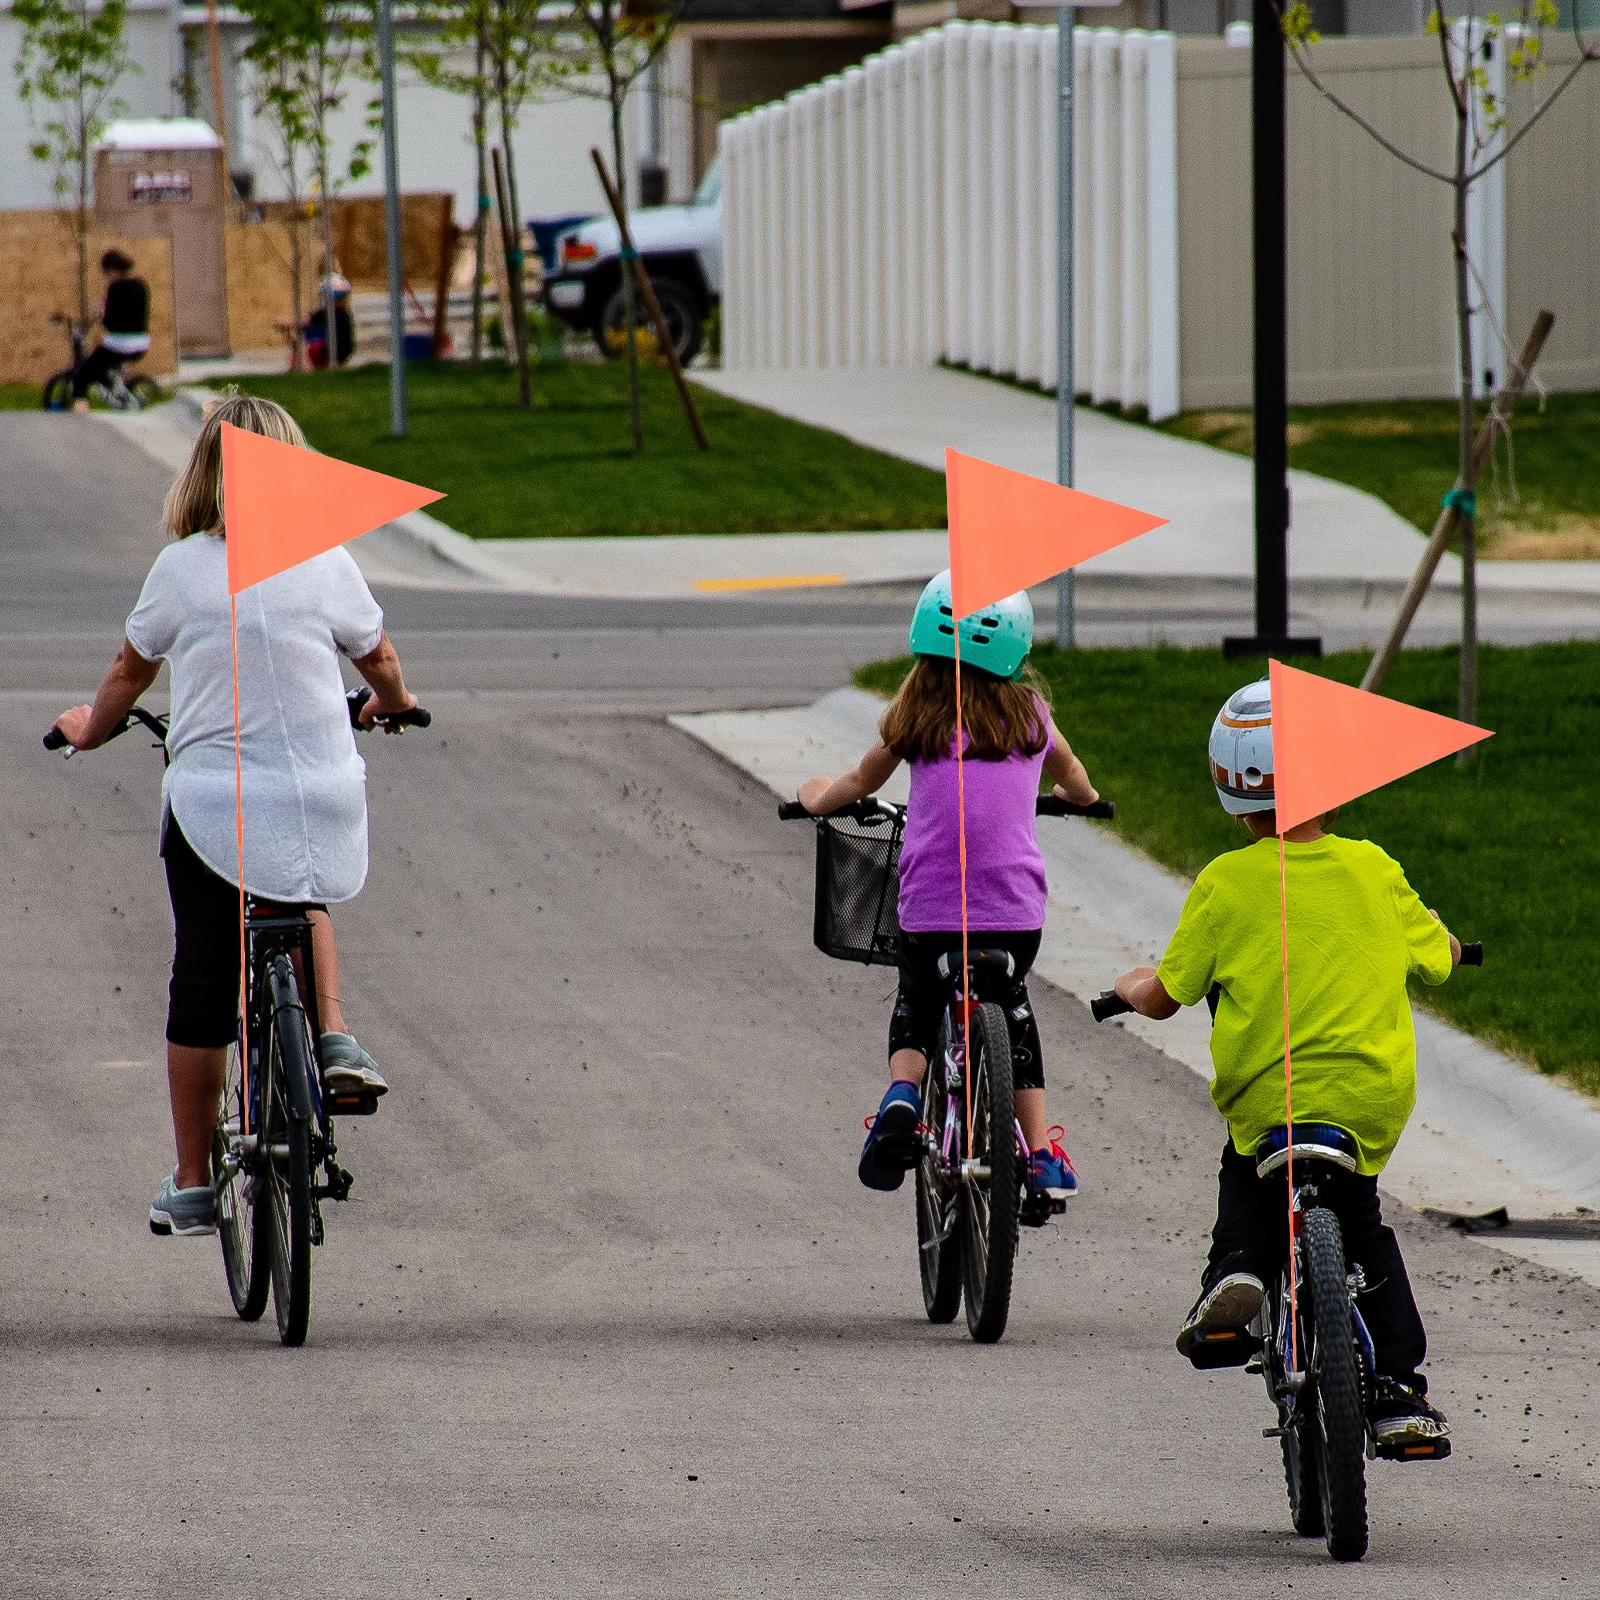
(1010, 738)
(1357, 932)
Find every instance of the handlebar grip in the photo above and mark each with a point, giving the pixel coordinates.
(55, 740)
(1472, 954)
(1049, 805)
(792, 811)
(416, 717)
(1108, 1005)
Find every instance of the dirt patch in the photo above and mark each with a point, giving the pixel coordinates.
(1571, 539)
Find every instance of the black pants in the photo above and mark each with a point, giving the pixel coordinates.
(919, 1007)
(203, 997)
(1252, 1235)
(96, 367)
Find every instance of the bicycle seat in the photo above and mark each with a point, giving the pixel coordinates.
(1313, 1141)
(986, 963)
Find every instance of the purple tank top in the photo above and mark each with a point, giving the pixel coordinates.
(1006, 886)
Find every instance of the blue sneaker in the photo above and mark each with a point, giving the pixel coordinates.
(892, 1146)
(1051, 1169)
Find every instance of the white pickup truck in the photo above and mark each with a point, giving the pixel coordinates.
(681, 247)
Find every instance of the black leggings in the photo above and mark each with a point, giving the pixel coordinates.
(203, 997)
(1252, 1235)
(96, 367)
(919, 1006)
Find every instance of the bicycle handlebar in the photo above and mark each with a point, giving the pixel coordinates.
(1110, 1004)
(55, 739)
(389, 721)
(1472, 954)
(873, 810)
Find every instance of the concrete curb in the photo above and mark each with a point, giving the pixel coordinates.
(1486, 1132)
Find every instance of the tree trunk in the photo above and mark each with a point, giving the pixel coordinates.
(630, 309)
(83, 218)
(1466, 476)
(517, 315)
(481, 215)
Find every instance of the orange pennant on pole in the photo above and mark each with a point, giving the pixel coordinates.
(285, 505)
(1009, 530)
(1331, 743)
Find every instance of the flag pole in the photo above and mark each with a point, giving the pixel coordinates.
(238, 813)
(961, 830)
(1288, 1104)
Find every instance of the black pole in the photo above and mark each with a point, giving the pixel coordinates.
(1270, 241)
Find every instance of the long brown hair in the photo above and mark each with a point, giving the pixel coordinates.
(1000, 717)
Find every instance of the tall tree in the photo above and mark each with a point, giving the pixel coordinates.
(302, 54)
(601, 49)
(70, 61)
(1483, 137)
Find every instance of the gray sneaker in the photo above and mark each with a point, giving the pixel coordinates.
(347, 1068)
(183, 1211)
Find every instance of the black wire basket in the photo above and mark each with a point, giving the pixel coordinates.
(858, 889)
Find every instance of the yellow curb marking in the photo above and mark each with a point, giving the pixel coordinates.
(799, 580)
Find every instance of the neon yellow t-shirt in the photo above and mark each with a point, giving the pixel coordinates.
(1357, 931)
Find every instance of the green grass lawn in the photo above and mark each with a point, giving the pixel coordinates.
(1507, 851)
(566, 469)
(1404, 452)
(19, 397)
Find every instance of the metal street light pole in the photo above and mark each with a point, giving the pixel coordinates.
(391, 225)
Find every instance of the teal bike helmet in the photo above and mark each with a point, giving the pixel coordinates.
(996, 639)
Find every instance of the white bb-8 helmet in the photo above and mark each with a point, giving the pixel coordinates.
(1241, 751)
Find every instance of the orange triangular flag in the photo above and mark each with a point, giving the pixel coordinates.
(1331, 743)
(1008, 530)
(284, 505)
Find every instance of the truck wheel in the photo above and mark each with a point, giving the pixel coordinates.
(677, 306)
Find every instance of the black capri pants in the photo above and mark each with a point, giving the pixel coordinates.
(203, 997)
(919, 1006)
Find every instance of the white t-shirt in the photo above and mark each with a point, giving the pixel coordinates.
(305, 788)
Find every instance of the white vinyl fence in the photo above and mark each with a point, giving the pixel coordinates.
(904, 212)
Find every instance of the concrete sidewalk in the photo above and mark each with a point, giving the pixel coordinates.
(1486, 1132)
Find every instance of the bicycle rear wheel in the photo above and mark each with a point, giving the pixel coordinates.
(286, 1148)
(992, 1193)
(241, 1223)
(1337, 1421)
(938, 1219)
(144, 392)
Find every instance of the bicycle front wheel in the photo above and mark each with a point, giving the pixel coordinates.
(938, 1231)
(1337, 1421)
(241, 1223)
(58, 391)
(992, 1192)
(286, 1151)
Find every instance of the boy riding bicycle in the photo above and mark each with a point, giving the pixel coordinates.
(1010, 739)
(1357, 932)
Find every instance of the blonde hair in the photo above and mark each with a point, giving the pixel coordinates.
(1000, 716)
(194, 502)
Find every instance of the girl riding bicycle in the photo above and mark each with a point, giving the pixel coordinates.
(1010, 738)
(305, 811)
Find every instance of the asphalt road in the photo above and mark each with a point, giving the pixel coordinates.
(608, 1313)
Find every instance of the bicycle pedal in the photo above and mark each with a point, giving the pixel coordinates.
(1231, 1347)
(1413, 1450)
(352, 1105)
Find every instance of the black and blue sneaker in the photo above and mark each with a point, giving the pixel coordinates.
(892, 1147)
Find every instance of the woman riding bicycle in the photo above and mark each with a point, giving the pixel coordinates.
(1010, 738)
(305, 813)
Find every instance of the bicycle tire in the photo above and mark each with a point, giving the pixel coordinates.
(1337, 1418)
(990, 1207)
(286, 1141)
(938, 1222)
(146, 392)
(1299, 1455)
(241, 1223)
(57, 394)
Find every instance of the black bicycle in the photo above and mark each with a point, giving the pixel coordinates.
(273, 1155)
(973, 1179)
(1310, 1341)
(120, 391)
